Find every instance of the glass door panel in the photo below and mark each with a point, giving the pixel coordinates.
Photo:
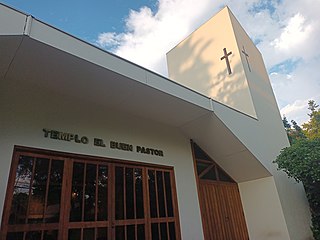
(88, 234)
(102, 199)
(89, 201)
(36, 198)
(129, 222)
(162, 213)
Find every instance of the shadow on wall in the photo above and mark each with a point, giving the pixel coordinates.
(231, 89)
(198, 66)
(192, 67)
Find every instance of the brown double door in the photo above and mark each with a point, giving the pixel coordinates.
(222, 211)
(220, 202)
(52, 196)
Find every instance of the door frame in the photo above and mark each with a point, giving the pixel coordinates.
(213, 182)
(58, 155)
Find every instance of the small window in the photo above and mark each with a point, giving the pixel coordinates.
(207, 169)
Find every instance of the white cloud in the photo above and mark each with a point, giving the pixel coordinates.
(298, 105)
(150, 35)
(297, 111)
(109, 39)
(284, 30)
(295, 33)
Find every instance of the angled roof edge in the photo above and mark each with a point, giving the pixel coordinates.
(52, 36)
(29, 27)
(57, 38)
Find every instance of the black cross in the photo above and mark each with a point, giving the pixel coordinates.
(225, 56)
(244, 52)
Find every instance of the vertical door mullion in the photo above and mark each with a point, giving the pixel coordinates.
(134, 194)
(111, 210)
(164, 194)
(146, 201)
(157, 197)
(109, 197)
(42, 233)
(124, 193)
(47, 191)
(30, 190)
(124, 201)
(83, 196)
(134, 202)
(136, 231)
(96, 200)
(165, 203)
(175, 206)
(83, 191)
(157, 202)
(217, 173)
(65, 199)
(96, 193)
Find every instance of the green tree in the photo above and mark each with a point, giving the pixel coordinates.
(312, 106)
(287, 127)
(312, 128)
(301, 160)
(294, 131)
(286, 123)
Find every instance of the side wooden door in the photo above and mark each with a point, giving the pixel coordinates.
(220, 202)
(222, 211)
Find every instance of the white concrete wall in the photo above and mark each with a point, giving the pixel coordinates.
(262, 210)
(11, 21)
(196, 62)
(268, 137)
(26, 110)
(265, 144)
(250, 93)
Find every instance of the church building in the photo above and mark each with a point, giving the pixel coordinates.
(94, 147)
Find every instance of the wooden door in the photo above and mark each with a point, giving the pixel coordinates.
(129, 215)
(222, 211)
(87, 212)
(59, 196)
(220, 202)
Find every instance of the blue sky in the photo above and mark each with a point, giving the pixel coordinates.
(82, 18)
(286, 32)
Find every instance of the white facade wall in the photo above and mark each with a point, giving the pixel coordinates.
(26, 110)
(275, 207)
(245, 103)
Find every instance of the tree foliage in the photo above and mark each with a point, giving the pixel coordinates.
(294, 131)
(301, 160)
(312, 128)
